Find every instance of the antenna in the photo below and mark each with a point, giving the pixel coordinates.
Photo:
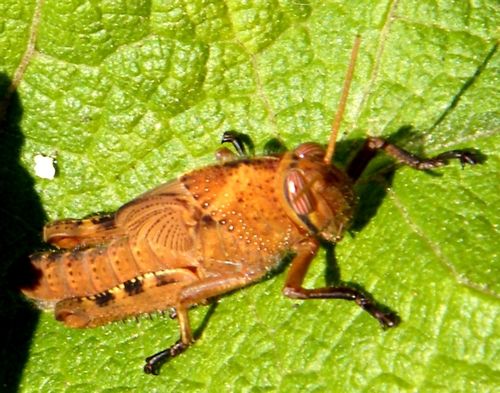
(343, 99)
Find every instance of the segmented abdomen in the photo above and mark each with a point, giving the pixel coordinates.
(78, 273)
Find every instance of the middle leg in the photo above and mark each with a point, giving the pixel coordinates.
(195, 293)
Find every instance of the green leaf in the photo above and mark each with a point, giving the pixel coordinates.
(127, 95)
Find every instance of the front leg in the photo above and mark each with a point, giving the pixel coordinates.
(294, 289)
(373, 144)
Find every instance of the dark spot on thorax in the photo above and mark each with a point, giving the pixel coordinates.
(207, 220)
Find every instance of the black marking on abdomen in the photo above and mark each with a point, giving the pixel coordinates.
(102, 299)
(133, 287)
(164, 280)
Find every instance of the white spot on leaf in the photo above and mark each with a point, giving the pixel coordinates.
(45, 166)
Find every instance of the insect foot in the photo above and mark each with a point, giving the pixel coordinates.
(386, 319)
(154, 362)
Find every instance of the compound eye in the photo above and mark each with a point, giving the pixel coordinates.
(310, 150)
(298, 193)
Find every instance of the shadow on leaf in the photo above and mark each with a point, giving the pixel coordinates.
(21, 221)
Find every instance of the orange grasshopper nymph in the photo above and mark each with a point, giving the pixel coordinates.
(209, 232)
